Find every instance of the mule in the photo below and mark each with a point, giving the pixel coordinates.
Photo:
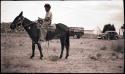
(34, 33)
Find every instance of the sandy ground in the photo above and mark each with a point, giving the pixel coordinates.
(86, 56)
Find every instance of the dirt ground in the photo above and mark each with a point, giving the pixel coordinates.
(85, 56)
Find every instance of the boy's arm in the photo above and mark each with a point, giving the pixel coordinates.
(47, 19)
(48, 16)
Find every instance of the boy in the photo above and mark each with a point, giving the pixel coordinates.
(48, 16)
(46, 22)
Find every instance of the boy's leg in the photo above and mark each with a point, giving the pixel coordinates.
(44, 29)
(43, 34)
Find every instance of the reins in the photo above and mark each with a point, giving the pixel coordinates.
(26, 24)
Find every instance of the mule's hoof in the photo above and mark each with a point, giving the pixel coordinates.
(31, 57)
(66, 57)
(60, 57)
(41, 58)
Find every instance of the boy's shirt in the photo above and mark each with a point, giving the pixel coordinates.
(48, 15)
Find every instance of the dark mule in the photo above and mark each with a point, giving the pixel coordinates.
(34, 33)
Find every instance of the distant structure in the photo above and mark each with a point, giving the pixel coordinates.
(88, 31)
(123, 30)
(76, 31)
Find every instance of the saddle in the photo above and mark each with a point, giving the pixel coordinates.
(51, 30)
(50, 27)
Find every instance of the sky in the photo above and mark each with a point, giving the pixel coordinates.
(87, 14)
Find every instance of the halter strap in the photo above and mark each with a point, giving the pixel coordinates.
(27, 24)
(21, 21)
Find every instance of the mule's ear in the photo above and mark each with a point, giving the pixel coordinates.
(21, 13)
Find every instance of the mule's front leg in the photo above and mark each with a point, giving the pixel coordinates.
(62, 47)
(40, 50)
(67, 51)
(33, 49)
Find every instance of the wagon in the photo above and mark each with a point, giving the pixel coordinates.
(76, 33)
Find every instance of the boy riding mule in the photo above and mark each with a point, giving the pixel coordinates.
(46, 22)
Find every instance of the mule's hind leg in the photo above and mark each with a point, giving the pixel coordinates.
(67, 51)
(33, 49)
(40, 50)
(67, 44)
(62, 46)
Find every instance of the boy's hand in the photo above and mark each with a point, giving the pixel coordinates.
(47, 19)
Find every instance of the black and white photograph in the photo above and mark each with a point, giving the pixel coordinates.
(62, 36)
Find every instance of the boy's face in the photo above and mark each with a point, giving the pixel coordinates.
(47, 9)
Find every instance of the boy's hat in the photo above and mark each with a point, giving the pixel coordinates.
(47, 5)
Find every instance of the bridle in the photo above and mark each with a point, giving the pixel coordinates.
(21, 22)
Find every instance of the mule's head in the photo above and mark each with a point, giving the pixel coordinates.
(17, 21)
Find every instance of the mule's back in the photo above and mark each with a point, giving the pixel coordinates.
(61, 27)
(60, 30)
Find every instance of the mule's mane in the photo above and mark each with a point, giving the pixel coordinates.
(26, 22)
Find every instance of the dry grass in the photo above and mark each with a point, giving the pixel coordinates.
(85, 56)
(103, 48)
(53, 58)
(117, 46)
